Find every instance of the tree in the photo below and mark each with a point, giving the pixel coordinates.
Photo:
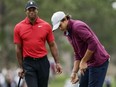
(99, 15)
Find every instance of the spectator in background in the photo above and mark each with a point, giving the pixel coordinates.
(52, 69)
(107, 81)
(2, 80)
(10, 82)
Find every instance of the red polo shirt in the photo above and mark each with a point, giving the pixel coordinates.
(33, 37)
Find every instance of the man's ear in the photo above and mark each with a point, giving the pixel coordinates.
(36, 11)
(26, 12)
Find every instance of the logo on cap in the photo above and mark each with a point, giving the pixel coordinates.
(31, 2)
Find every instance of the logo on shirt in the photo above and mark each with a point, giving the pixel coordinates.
(39, 26)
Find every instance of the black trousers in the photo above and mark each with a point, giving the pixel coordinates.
(36, 71)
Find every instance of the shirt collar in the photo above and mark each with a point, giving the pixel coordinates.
(70, 23)
(28, 21)
(69, 28)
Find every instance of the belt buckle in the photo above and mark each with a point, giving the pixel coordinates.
(35, 59)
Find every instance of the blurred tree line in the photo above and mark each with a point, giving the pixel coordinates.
(98, 14)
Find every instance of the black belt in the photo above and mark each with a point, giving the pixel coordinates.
(32, 58)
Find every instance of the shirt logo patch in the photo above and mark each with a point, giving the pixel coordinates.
(39, 26)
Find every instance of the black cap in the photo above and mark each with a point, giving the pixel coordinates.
(30, 4)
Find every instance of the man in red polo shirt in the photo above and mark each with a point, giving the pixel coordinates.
(30, 37)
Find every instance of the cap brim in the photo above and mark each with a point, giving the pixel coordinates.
(56, 26)
(31, 7)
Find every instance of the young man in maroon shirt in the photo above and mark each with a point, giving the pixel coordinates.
(91, 57)
(30, 37)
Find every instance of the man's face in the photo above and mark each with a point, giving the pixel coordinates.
(63, 24)
(31, 13)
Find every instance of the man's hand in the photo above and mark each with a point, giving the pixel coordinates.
(74, 78)
(58, 68)
(83, 64)
(21, 73)
(83, 67)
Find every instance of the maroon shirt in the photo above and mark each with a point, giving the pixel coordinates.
(82, 38)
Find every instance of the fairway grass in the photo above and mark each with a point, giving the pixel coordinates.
(59, 81)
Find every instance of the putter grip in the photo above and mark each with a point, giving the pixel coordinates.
(19, 81)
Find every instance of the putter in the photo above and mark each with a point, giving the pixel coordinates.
(19, 81)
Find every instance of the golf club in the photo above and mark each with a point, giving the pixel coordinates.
(19, 81)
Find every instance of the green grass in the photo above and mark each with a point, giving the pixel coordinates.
(59, 81)
(113, 83)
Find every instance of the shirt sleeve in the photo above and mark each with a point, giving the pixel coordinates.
(86, 34)
(17, 38)
(50, 36)
(77, 56)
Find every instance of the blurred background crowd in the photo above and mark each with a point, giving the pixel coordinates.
(100, 15)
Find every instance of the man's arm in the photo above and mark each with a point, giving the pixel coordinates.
(19, 55)
(54, 52)
(74, 77)
(87, 56)
(76, 66)
(83, 63)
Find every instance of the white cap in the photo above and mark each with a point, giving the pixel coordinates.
(56, 18)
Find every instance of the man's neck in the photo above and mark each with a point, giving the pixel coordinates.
(32, 21)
